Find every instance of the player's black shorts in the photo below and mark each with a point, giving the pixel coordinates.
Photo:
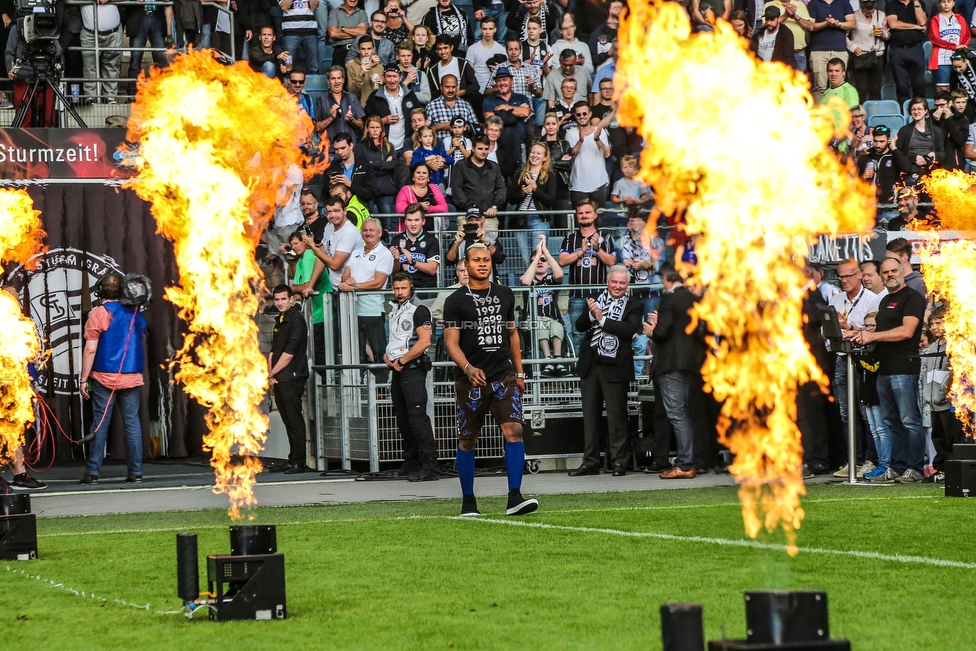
(502, 397)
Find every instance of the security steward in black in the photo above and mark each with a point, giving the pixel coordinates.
(406, 355)
(288, 373)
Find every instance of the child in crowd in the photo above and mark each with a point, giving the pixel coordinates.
(425, 150)
(458, 147)
(936, 378)
(867, 367)
(630, 190)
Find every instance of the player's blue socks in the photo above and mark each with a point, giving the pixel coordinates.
(514, 464)
(465, 470)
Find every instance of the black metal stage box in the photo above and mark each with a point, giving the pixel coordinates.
(247, 587)
(960, 477)
(778, 616)
(18, 528)
(743, 645)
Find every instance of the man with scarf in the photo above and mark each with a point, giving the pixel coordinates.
(448, 20)
(606, 369)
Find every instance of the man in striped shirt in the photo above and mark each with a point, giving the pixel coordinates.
(299, 31)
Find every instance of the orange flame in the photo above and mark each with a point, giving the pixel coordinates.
(216, 143)
(20, 239)
(949, 269)
(734, 141)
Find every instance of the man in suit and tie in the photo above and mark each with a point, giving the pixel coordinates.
(678, 359)
(606, 367)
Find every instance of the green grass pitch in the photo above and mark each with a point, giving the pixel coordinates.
(584, 572)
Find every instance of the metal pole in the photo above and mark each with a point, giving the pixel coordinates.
(374, 437)
(851, 429)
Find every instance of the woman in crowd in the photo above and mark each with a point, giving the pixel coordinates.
(421, 191)
(920, 144)
(739, 20)
(867, 45)
(534, 190)
(561, 160)
(398, 28)
(376, 149)
(423, 46)
(947, 31)
(963, 74)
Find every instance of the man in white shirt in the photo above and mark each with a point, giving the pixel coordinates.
(481, 52)
(340, 241)
(288, 215)
(370, 267)
(107, 32)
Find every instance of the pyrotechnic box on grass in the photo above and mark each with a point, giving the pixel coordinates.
(18, 528)
(960, 471)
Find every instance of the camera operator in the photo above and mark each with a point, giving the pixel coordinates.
(20, 70)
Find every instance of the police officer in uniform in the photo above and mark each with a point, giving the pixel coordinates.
(406, 356)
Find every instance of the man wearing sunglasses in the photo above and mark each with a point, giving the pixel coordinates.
(296, 88)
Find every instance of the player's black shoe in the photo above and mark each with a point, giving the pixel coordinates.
(518, 505)
(469, 507)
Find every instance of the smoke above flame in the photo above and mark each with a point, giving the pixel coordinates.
(736, 143)
(215, 146)
(949, 269)
(21, 238)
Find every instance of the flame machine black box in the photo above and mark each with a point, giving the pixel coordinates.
(18, 528)
(785, 621)
(960, 477)
(247, 587)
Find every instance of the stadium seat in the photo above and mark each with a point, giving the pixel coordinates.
(904, 107)
(882, 107)
(888, 92)
(893, 122)
(315, 85)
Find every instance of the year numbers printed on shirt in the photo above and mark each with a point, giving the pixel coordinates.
(491, 322)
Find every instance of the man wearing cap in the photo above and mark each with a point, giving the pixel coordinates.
(568, 69)
(462, 241)
(448, 105)
(515, 111)
(772, 43)
(525, 79)
(393, 103)
(795, 17)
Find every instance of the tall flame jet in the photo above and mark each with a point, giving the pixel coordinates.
(21, 238)
(215, 146)
(736, 142)
(949, 269)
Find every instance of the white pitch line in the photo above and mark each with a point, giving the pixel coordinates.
(727, 542)
(153, 489)
(664, 507)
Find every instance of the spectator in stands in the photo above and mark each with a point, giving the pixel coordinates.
(339, 241)
(337, 110)
(534, 190)
(606, 70)
(920, 144)
(518, 19)
(643, 263)
(457, 145)
(563, 107)
(936, 380)
(899, 328)
(427, 150)
(907, 211)
(568, 69)
(482, 54)
(739, 20)
(149, 33)
(811, 403)
(568, 41)
(630, 192)
(108, 63)
(310, 280)
(838, 85)
(963, 75)
(606, 368)
(948, 31)
(588, 253)
(267, 58)
(828, 39)
(422, 192)
(446, 20)
(356, 210)
(772, 43)
(704, 13)
(590, 148)
(878, 165)
(449, 65)
(536, 54)
(462, 240)
(680, 353)
(604, 35)
(623, 141)
(437, 308)
(295, 86)
(412, 78)
(393, 103)
(364, 72)
(447, 106)
(370, 268)
(900, 249)
(867, 43)
(406, 355)
(382, 46)
(423, 47)
(542, 272)
(561, 155)
(350, 170)
(476, 182)
(415, 251)
(860, 139)
(288, 213)
(315, 223)
(514, 110)
(382, 157)
(906, 59)
(299, 31)
(955, 125)
(398, 26)
(346, 24)
(814, 271)
(525, 78)
(795, 17)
